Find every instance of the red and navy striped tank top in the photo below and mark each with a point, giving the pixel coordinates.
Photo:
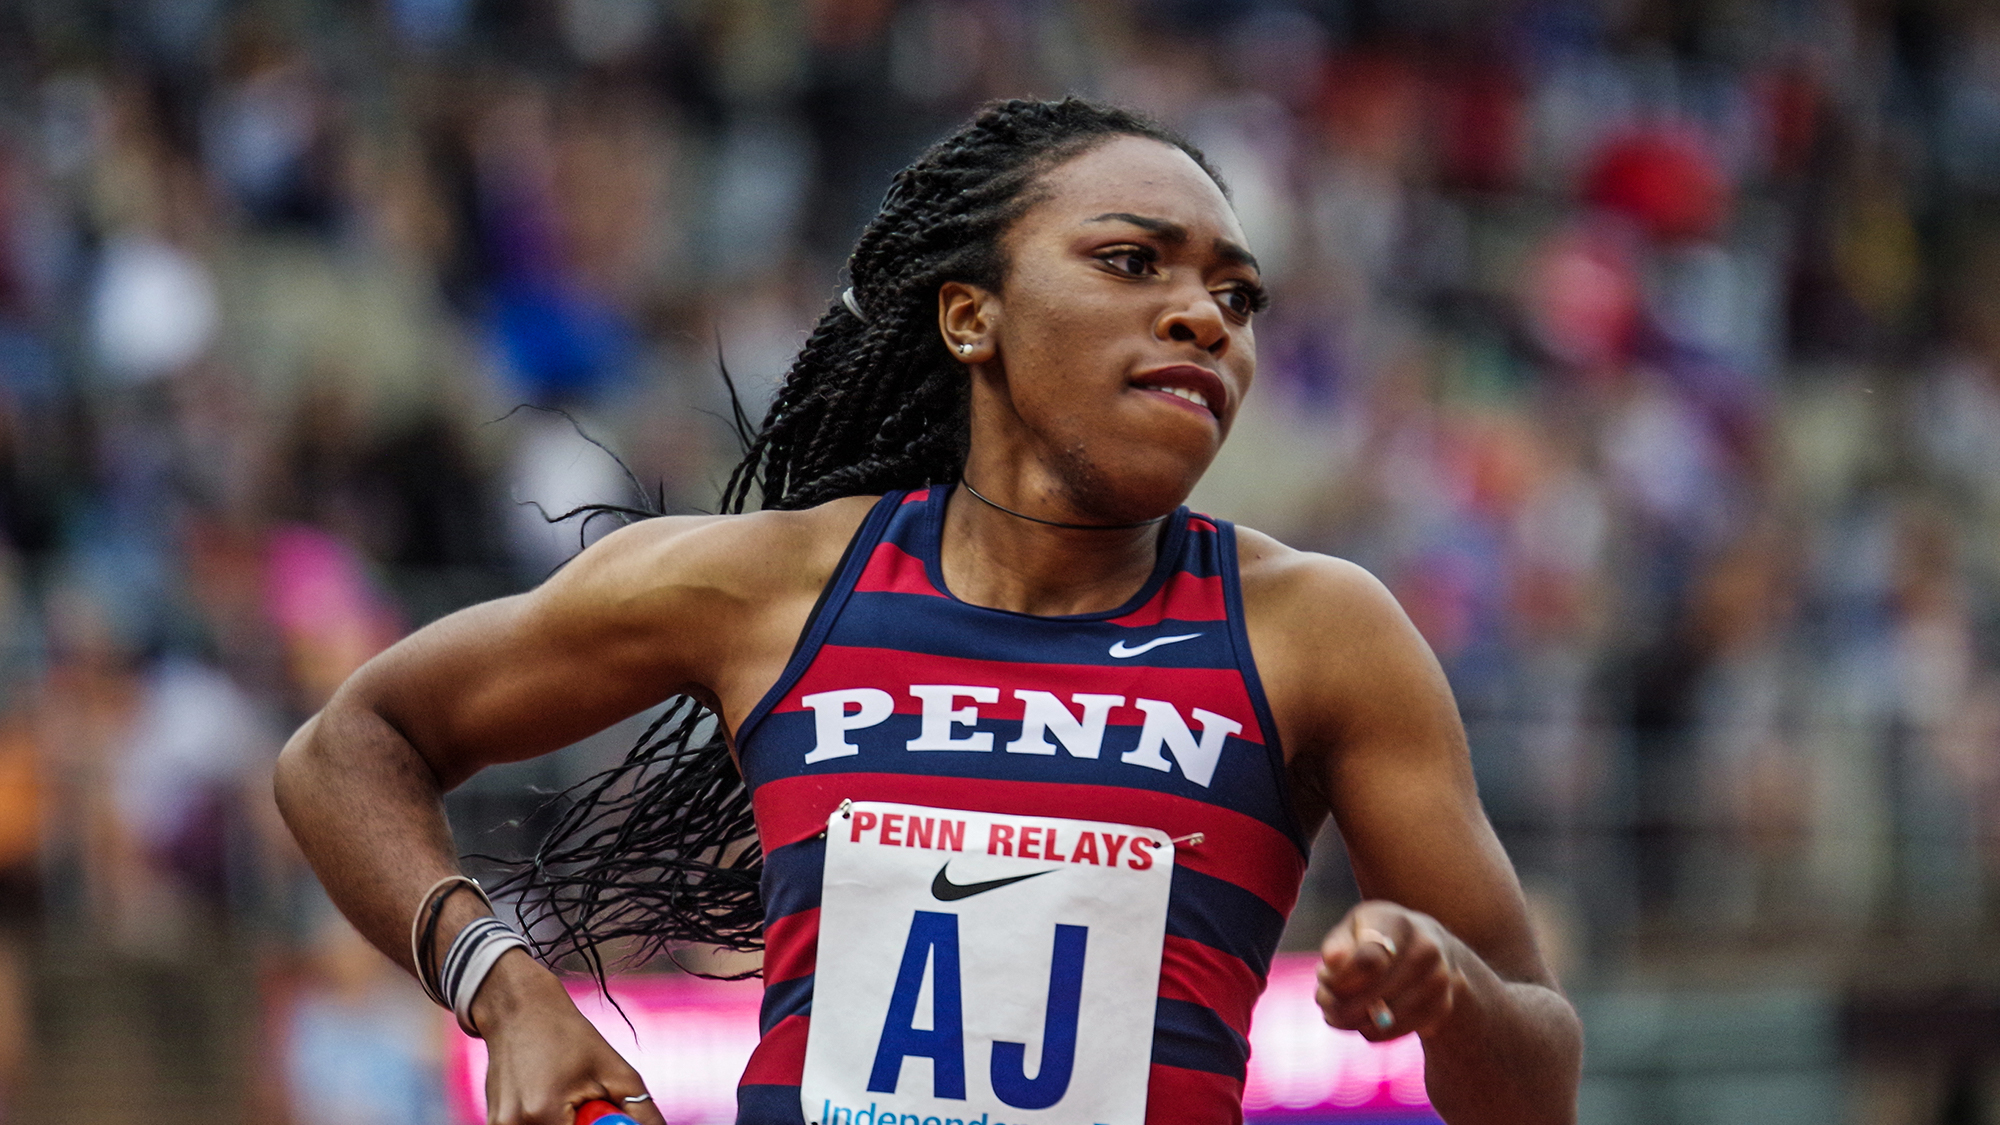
(891, 658)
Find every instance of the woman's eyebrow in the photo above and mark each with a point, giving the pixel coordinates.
(1230, 252)
(1166, 230)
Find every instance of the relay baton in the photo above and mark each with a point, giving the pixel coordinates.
(602, 1113)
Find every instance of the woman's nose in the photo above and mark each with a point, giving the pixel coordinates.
(1198, 322)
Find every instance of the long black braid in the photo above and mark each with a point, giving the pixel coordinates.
(660, 850)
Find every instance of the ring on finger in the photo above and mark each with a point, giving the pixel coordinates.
(635, 1099)
(1382, 1017)
(1379, 938)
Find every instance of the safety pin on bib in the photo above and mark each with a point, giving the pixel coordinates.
(846, 811)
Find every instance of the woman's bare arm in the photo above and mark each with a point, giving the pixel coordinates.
(708, 606)
(1442, 943)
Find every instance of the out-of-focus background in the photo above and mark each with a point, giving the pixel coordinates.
(1649, 350)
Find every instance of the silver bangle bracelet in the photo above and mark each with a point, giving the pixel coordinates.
(417, 930)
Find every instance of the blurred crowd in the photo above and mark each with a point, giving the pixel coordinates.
(1649, 351)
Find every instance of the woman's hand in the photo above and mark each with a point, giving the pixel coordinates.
(1387, 971)
(543, 1059)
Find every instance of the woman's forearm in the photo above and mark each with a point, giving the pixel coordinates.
(368, 813)
(1509, 1053)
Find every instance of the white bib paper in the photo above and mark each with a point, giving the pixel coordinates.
(984, 969)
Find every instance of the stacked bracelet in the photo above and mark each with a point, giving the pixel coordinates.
(424, 925)
(473, 953)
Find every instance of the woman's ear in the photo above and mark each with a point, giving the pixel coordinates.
(968, 317)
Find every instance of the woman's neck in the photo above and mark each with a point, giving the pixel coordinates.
(996, 558)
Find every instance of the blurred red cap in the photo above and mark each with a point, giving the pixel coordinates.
(1666, 179)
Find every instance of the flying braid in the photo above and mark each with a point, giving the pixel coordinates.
(660, 851)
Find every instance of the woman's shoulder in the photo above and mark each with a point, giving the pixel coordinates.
(802, 530)
(1331, 642)
(1305, 585)
(1327, 613)
(754, 554)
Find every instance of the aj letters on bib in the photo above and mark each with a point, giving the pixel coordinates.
(974, 908)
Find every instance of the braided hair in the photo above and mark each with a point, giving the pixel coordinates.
(660, 850)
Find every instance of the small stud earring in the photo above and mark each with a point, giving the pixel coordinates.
(965, 349)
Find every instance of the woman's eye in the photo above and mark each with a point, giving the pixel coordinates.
(1239, 301)
(1132, 262)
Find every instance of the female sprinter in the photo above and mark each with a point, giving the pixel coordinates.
(1034, 767)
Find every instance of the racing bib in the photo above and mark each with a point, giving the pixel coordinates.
(985, 969)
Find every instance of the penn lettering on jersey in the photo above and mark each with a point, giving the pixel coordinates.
(1042, 714)
(1147, 714)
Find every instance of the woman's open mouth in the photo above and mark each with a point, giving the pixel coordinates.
(1187, 386)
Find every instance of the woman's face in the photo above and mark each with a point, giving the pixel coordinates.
(1111, 364)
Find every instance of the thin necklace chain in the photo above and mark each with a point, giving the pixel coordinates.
(1055, 523)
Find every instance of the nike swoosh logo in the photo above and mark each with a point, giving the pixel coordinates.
(1121, 652)
(944, 890)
